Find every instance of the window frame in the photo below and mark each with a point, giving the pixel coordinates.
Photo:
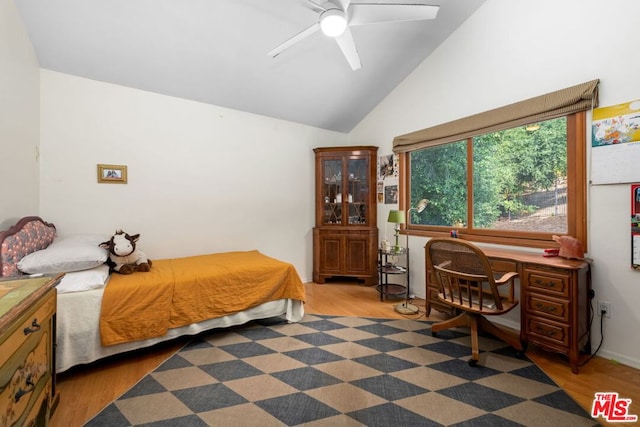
(576, 200)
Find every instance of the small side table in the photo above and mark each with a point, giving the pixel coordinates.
(388, 269)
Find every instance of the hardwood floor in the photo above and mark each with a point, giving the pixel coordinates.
(85, 391)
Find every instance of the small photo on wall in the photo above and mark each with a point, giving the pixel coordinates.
(112, 174)
(390, 194)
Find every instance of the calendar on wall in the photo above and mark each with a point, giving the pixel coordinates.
(615, 142)
(635, 226)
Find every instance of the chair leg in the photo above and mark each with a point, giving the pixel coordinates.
(476, 323)
(500, 333)
(475, 346)
(460, 320)
(463, 320)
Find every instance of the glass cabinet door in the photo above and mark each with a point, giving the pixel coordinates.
(357, 190)
(345, 191)
(332, 191)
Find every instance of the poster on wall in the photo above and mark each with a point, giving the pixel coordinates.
(635, 226)
(388, 167)
(388, 179)
(615, 142)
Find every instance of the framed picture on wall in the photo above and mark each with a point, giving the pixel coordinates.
(112, 174)
(391, 194)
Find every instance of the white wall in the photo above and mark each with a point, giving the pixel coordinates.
(201, 178)
(19, 118)
(513, 50)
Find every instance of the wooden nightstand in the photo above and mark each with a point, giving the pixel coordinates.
(27, 355)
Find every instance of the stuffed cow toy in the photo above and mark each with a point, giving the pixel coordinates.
(124, 255)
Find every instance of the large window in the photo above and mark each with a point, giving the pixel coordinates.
(520, 185)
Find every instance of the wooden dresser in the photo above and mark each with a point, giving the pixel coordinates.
(27, 358)
(555, 295)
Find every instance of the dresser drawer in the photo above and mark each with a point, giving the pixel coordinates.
(27, 353)
(550, 282)
(547, 307)
(29, 324)
(24, 377)
(544, 331)
(41, 409)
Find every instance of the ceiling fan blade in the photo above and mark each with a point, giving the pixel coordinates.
(293, 40)
(315, 6)
(374, 13)
(343, 3)
(348, 47)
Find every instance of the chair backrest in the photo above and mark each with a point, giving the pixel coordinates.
(465, 278)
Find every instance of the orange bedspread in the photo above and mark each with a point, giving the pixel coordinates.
(180, 291)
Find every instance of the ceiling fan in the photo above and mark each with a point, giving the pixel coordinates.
(336, 16)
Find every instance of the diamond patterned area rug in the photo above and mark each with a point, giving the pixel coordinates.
(343, 371)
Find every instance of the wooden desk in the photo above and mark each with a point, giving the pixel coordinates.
(555, 295)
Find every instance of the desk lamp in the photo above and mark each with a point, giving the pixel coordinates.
(396, 217)
(405, 307)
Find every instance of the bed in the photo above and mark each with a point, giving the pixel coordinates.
(101, 314)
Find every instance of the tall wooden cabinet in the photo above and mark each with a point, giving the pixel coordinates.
(345, 237)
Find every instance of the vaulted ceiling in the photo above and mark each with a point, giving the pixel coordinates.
(215, 51)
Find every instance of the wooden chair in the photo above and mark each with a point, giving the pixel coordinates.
(467, 283)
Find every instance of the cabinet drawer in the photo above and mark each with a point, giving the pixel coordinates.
(24, 379)
(547, 281)
(546, 331)
(30, 323)
(552, 308)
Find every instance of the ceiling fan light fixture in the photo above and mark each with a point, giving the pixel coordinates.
(333, 22)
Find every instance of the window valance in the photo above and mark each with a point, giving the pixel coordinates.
(555, 104)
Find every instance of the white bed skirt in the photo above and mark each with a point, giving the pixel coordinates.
(78, 331)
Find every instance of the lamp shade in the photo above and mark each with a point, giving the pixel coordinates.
(421, 205)
(396, 217)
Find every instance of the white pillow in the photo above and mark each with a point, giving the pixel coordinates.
(66, 254)
(85, 280)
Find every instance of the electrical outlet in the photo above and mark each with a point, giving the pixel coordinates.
(604, 308)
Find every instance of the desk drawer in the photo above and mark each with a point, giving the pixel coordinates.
(545, 331)
(503, 265)
(543, 306)
(550, 282)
